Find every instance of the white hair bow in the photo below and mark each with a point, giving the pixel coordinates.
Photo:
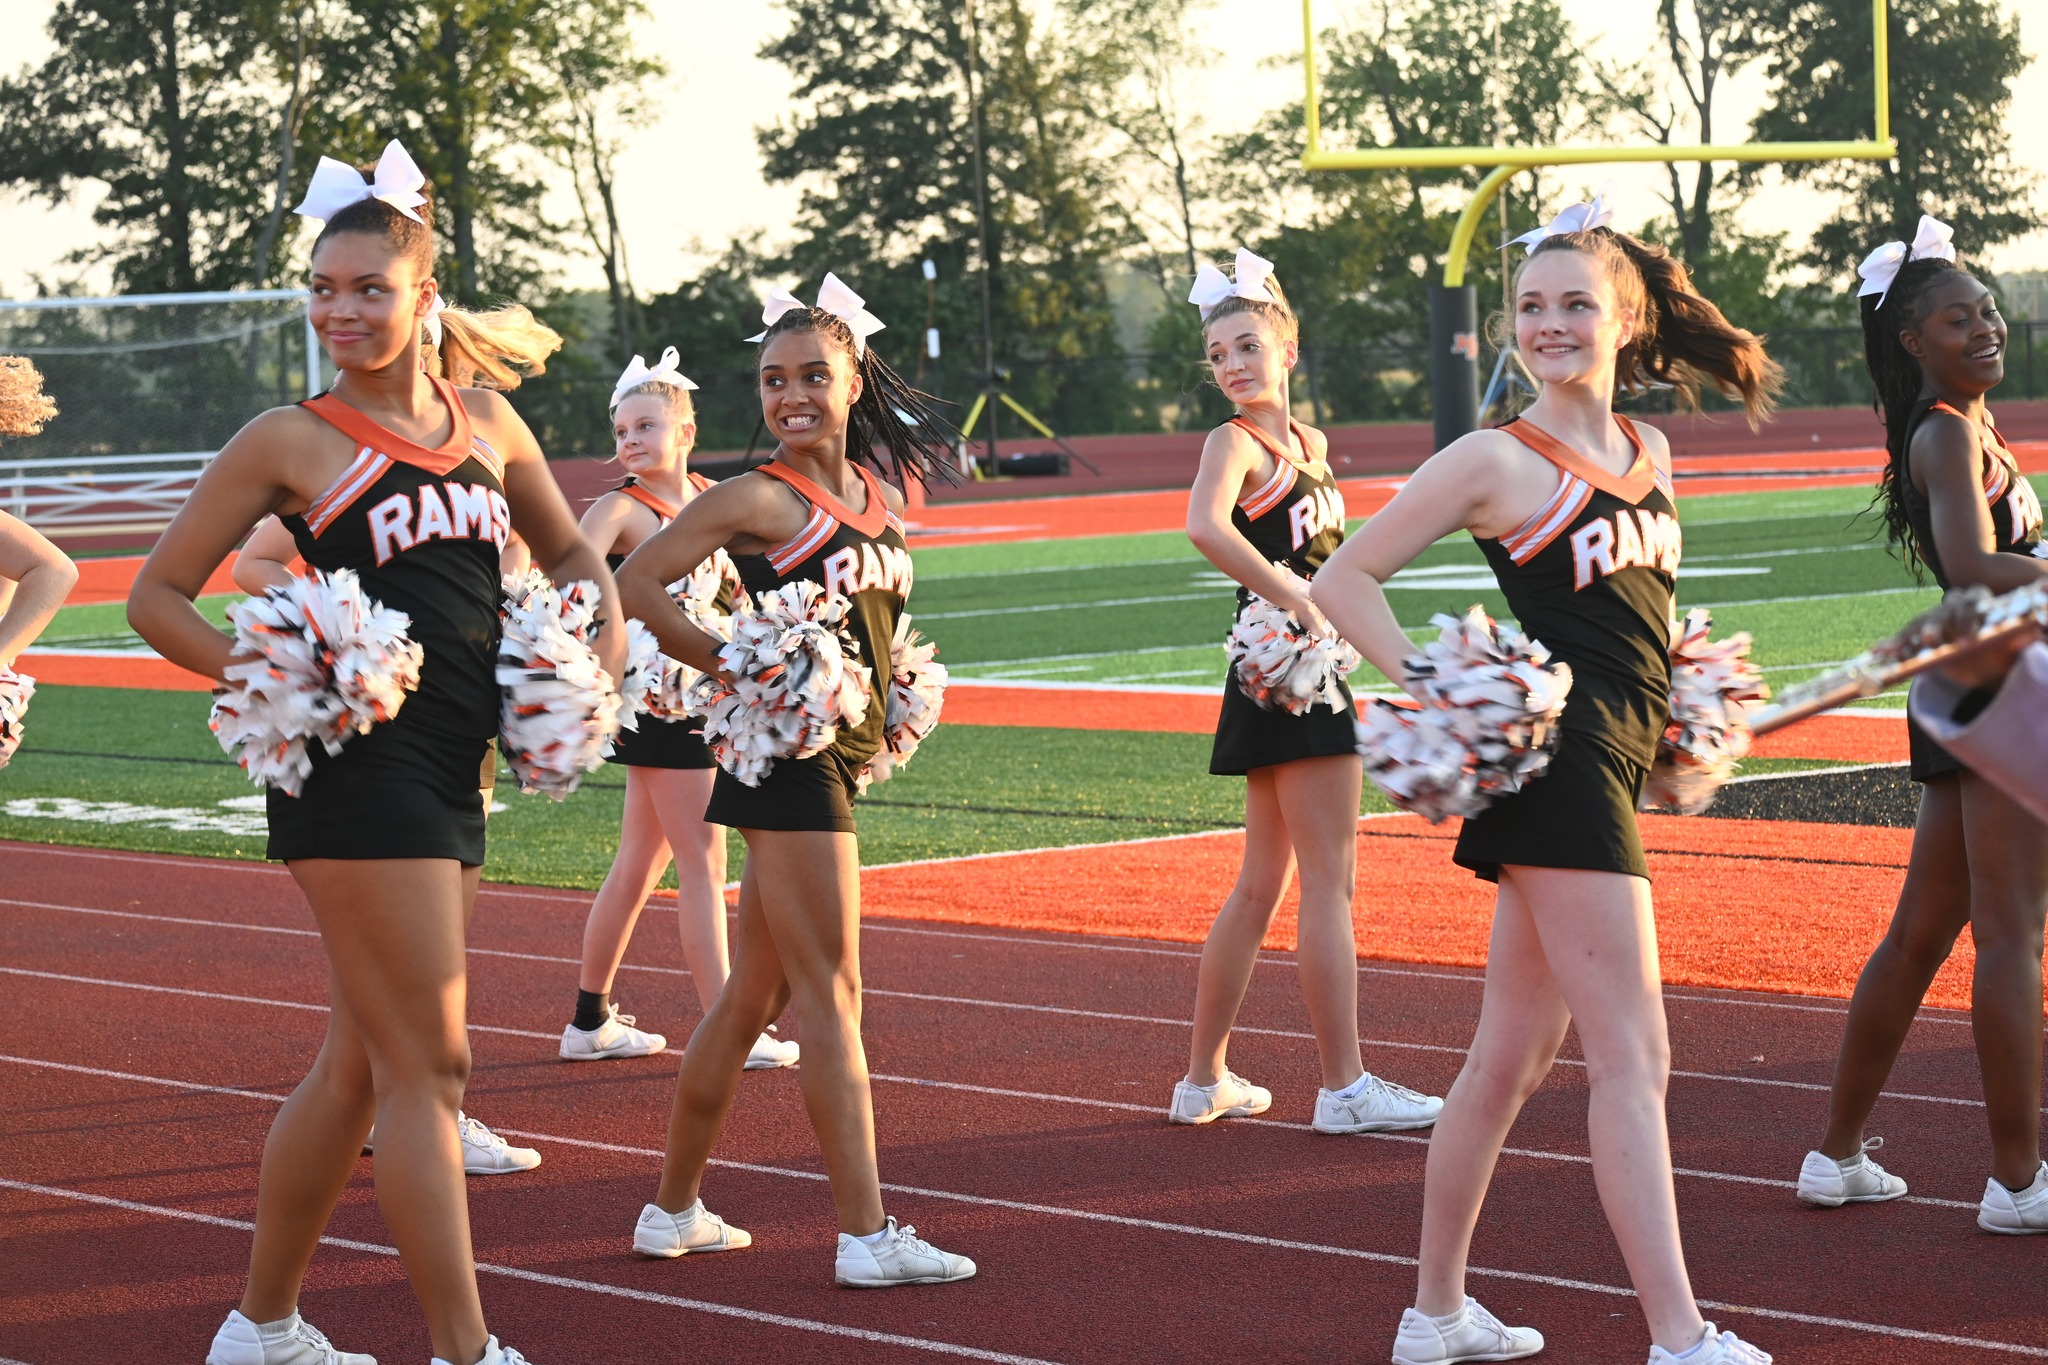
(432, 321)
(834, 297)
(1577, 218)
(1935, 238)
(663, 371)
(336, 185)
(1212, 287)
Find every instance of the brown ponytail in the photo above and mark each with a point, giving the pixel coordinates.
(491, 350)
(1681, 338)
(24, 407)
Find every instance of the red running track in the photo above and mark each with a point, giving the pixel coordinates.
(156, 1008)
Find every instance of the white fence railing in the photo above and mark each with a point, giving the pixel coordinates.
(100, 495)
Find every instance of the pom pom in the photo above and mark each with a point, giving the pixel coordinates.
(321, 662)
(917, 691)
(797, 677)
(1487, 725)
(1278, 662)
(558, 710)
(15, 691)
(1711, 684)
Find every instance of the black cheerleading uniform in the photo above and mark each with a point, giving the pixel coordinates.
(2015, 530)
(1591, 575)
(422, 530)
(860, 556)
(677, 743)
(1295, 518)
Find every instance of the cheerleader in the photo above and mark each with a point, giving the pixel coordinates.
(414, 485)
(814, 513)
(668, 768)
(35, 576)
(1266, 510)
(496, 349)
(1954, 501)
(1573, 508)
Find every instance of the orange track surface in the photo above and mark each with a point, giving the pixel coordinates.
(96, 670)
(108, 580)
(1744, 904)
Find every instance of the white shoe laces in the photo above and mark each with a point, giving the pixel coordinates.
(474, 1134)
(908, 1240)
(1737, 1351)
(307, 1334)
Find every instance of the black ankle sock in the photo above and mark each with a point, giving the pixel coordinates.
(592, 1009)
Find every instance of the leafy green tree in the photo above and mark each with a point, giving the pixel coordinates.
(165, 102)
(1953, 63)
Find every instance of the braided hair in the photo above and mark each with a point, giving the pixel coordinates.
(1681, 338)
(890, 412)
(1896, 380)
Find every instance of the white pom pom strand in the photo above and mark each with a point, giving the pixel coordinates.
(797, 677)
(321, 662)
(917, 693)
(1712, 684)
(1278, 662)
(15, 691)
(558, 710)
(1486, 727)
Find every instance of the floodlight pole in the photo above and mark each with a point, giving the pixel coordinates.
(988, 336)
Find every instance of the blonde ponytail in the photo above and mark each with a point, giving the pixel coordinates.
(492, 350)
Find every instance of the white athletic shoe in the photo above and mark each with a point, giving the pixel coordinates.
(770, 1052)
(666, 1235)
(1471, 1333)
(1380, 1106)
(1715, 1348)
(291, 1342)
(902, 1258)
(1828, 1184)
(2015, 1214)
(494, 1354)
(485, 1153)
(1232, 1097)
(615, 1037)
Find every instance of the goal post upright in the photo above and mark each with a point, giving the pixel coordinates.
(1454, 305)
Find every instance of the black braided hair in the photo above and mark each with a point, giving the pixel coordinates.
(1896, 379)
(890, 412)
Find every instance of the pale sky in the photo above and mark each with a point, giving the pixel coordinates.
(719, 92)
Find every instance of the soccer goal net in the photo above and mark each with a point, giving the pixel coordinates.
(148, 387)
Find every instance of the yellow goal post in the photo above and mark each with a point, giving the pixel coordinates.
(1454, 356)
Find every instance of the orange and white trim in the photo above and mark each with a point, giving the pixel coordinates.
(799, 547)
(367, 467)
(1526, 541)
(1271, 493)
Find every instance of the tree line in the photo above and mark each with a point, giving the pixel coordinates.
(1106, 182)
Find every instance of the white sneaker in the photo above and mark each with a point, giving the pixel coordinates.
(668, 1235)
(902, 1258)
(770, 1052)
(2015, 1214)
(1471, 1333)
(291, 1342)
(615, 1037)
(494, 1354)
(1380, 1106)
(1232, 1097)
(485, 1153)
(1715, 1348)
(1828, 1184)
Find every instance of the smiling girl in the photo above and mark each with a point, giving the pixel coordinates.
(1955, 501)
(668, 768)
(1572, 506)
(1267, 511)
(414, 485)
(814, 513)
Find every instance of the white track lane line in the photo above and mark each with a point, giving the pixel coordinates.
(1092, 1216)
(1267, 958)
(879, 993)
(1123, 1106)
(723, 1310)
(1019, 1007)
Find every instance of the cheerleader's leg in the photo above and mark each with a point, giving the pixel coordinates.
(1318, 799)
(1232, 948)
(2008, 852)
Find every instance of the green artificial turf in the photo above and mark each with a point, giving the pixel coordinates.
(1817, 587)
